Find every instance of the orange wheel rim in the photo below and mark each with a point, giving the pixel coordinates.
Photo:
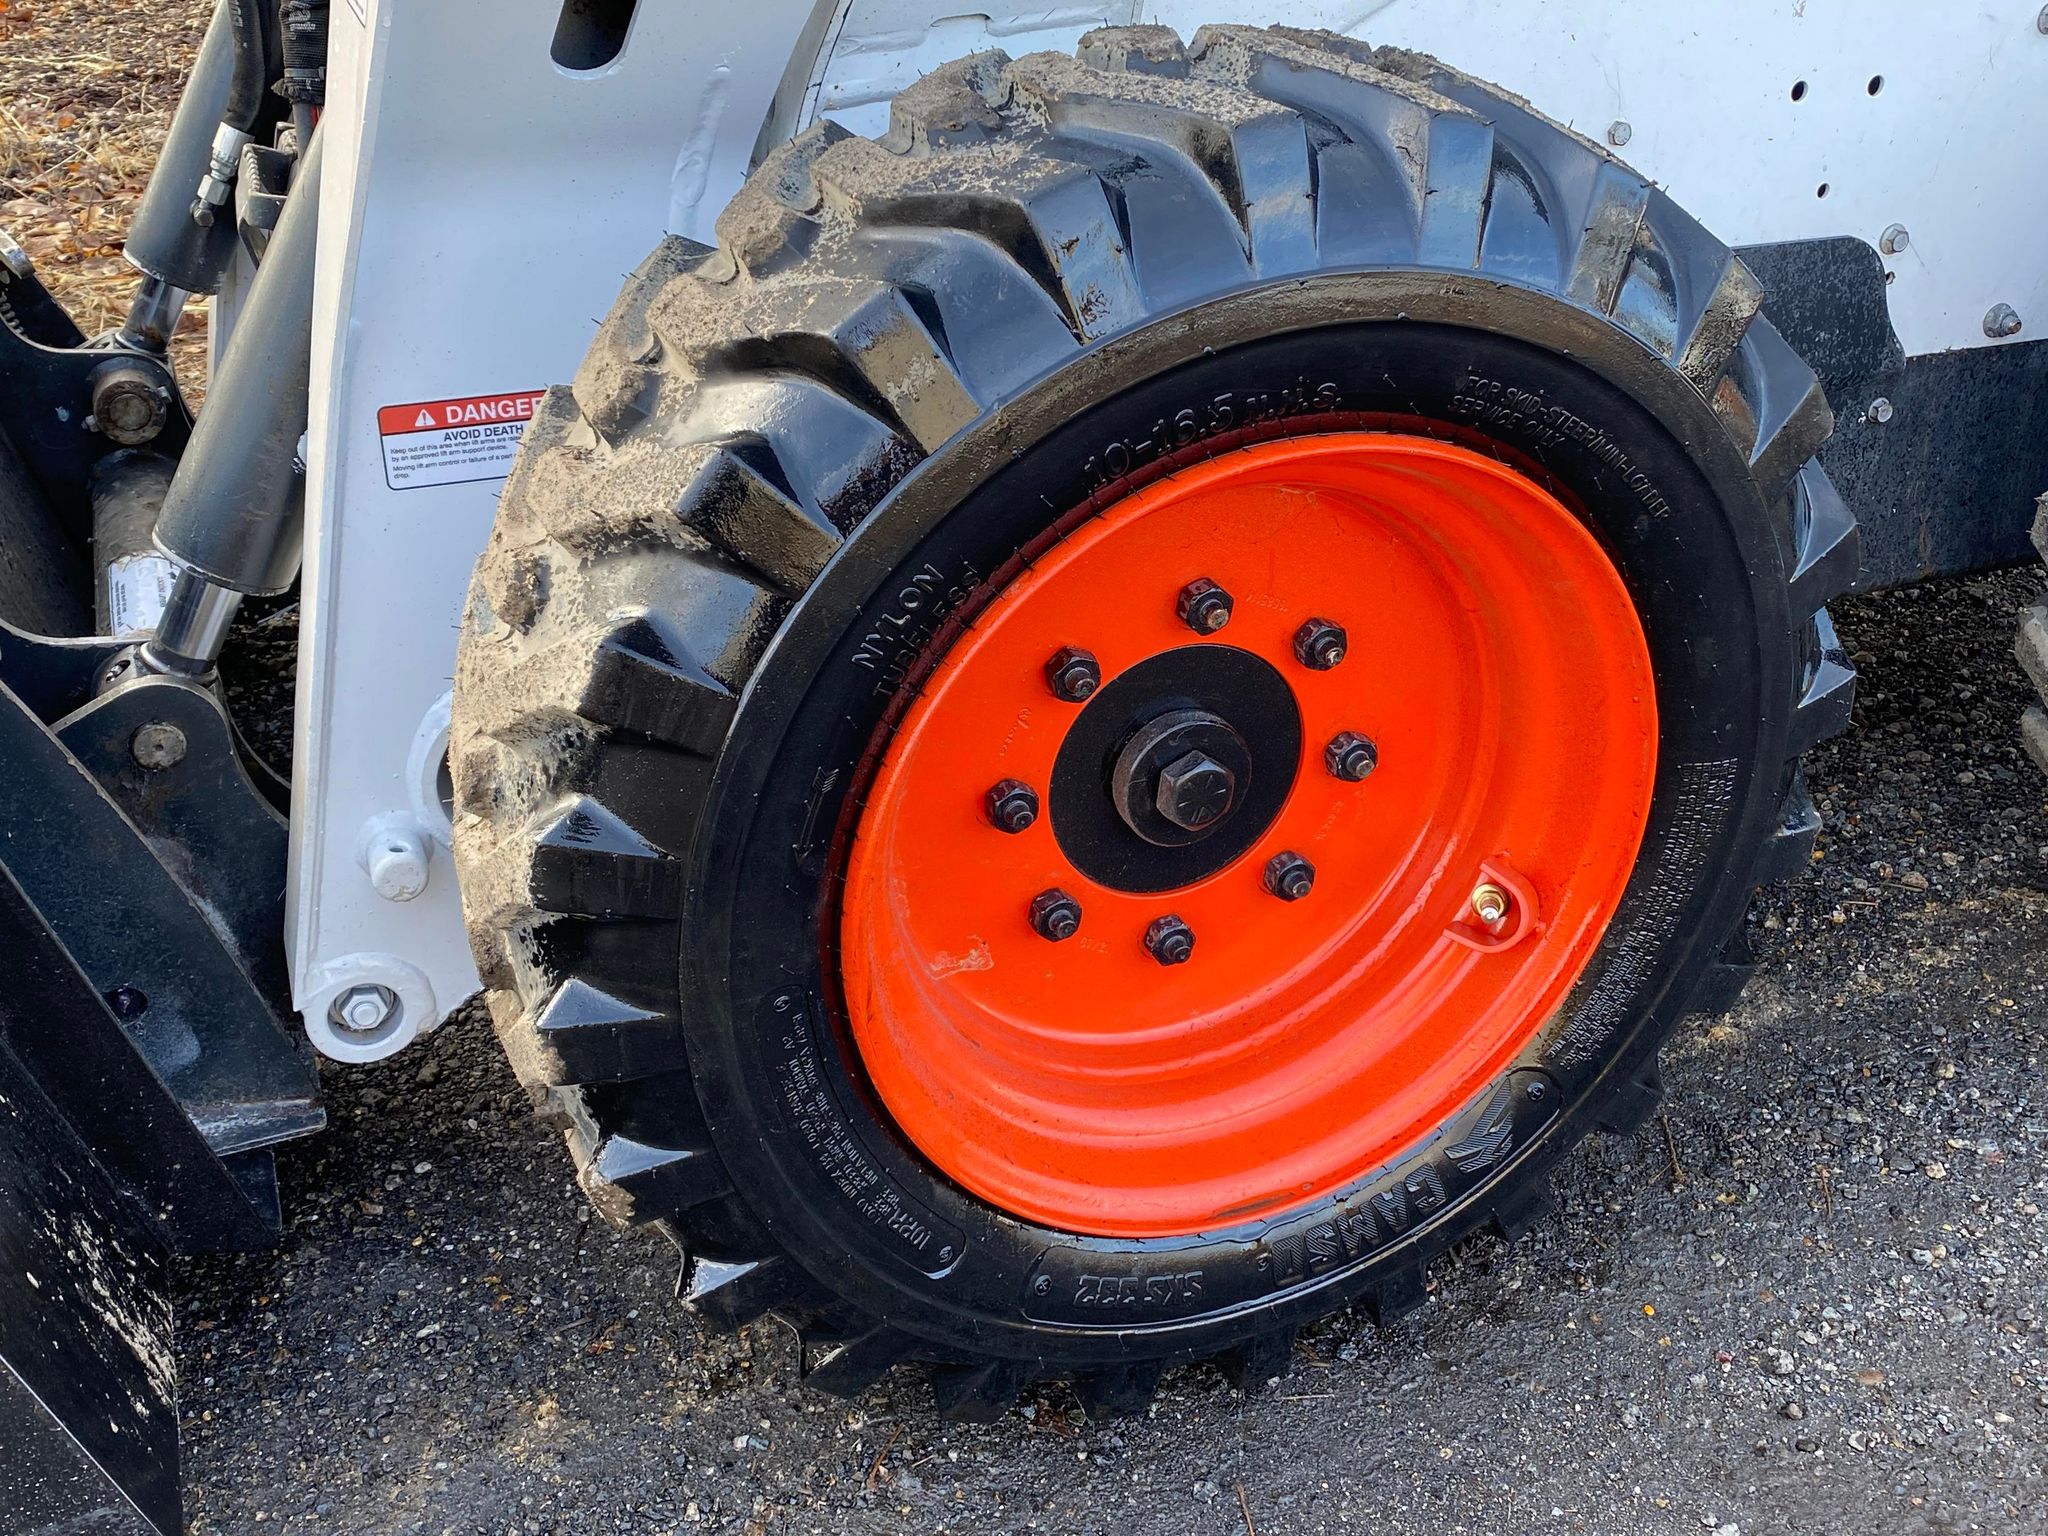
(1492, 658)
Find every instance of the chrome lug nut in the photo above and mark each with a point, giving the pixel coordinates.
(1073, 674)
(1055, 915)
(1319, 645)
(1203, 606)
(1012, 805)
(1289, 876)
(1350, 757)
(1170, 941)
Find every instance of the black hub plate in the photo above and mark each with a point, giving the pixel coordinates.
(1238, 688)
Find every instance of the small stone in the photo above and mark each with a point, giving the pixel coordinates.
(1792, 1411)
(1870, 1376)
(1913, 880)
(1936, 1170)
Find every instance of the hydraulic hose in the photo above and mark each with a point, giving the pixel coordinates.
(248, 23)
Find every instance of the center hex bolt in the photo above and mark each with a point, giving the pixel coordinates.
(1350, 756)
(1170, 941)
(1012, 805)
(1055, 915)
(1319, 645)
(1289, 876)
(1073, 674)
(1203, 606)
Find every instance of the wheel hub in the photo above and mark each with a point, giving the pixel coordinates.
(1181, 769)
(1293, 897)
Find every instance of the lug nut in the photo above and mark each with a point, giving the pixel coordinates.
(1350, 757)
(1289, 876)
(1203, 606)
(1489, 903)
(1012, 806)
(1055, 915)
(1319, 645)
(1171, 941)
(1073, 674)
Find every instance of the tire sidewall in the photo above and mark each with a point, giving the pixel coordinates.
(1559, 391)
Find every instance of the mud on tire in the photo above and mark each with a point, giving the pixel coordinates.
(725, 555)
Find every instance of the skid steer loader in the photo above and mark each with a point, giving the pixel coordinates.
(1151, 655)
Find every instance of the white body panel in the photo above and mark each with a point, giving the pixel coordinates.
(482, 206)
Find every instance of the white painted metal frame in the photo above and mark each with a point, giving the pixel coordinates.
(481, 207)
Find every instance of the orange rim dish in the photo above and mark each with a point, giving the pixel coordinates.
(1403, 778)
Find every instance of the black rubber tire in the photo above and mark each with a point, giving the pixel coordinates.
(790, 462)
(2030, 649)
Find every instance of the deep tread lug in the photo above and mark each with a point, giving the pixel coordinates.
(1117, 1391)
(1399, 1292)
(735, 499)
(1520, 1207)
(1720, 988)
(589, 1036)
(736, 1292)
(2034, 735)
(1789, 849)
(979, 1393)
(643, 679)
(1607, 240)
(1634, 1101)
(2030, 649)
(847, 1367)
(588, 863)
(1138, 50)
(1258, 1360)
(1720, 324)
(1829, 548)
(1830, 694)
(629, 1181)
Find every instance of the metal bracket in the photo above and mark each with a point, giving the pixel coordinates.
(46, 408)
(145, 848)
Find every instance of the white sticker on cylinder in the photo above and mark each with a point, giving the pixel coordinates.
(138, 587)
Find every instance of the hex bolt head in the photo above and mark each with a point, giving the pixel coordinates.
(1055, 915)
(1319, 645)
(1894, 239)
(363, 1009)
(1289, 876)
(1203, 606)
(1012, 805)
(1170, 941)
(1490, 903)
(1619, 132)
(1880, 411)
(2001, 320)
(1350, 757)
(157, 746)
(1073, 674)
(1194, 791)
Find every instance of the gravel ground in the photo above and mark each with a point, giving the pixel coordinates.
(1811, 1298)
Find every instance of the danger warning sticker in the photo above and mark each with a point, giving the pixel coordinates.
(449, 442)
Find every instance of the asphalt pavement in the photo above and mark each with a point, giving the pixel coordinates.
(1810, 1298)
